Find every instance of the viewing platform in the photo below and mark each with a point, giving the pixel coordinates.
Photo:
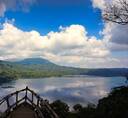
(25, 103)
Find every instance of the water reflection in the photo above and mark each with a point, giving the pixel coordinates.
(72, 90)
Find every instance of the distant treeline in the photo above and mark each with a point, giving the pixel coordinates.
(13, 70)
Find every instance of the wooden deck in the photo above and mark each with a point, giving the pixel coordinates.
(23, 111)
(25, 104)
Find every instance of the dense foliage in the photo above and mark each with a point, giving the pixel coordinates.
(34, 71)
(113, 106)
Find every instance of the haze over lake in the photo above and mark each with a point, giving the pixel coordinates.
(72, 90)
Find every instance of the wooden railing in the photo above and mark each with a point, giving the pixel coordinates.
(11, 101)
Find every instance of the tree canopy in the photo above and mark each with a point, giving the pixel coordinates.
(117, 11)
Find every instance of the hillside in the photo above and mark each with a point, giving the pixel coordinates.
(38, 68)
(34, 61)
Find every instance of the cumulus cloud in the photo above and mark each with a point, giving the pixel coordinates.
(119, 34)
(99, 4)
(15, 5)
(14, 42)
(116, 33)
(70, 41)
(73, 41)
(70, 46)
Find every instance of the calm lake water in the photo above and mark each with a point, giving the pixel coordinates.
(72, 90)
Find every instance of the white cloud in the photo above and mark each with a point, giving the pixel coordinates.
(99, 4)
(119, 34)
(70, 46)
(15, 5)
(73, 41)
(2, 9)
(116, 33)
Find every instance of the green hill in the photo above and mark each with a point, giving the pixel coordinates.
(39, 68)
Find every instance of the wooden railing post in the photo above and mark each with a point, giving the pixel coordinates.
(16, 98)
(38, 100)
(26, 94)
(7, 100)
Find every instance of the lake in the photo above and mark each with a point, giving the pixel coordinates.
(72, 90)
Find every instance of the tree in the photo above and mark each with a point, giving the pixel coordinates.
(117, 11)
(115, 105)
(77, 107)
(60, 108)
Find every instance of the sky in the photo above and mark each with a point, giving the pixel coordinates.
(66, 32)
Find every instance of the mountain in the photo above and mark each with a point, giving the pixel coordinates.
(38, 68)
(34, 61)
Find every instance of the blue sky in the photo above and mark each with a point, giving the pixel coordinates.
(48, 15)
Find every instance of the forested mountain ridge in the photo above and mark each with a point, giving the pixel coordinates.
(38, 68)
